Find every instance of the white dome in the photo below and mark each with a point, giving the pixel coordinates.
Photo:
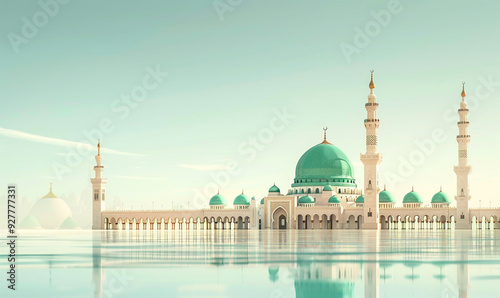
(51, 211)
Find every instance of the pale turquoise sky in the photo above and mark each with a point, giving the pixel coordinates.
(225, 79)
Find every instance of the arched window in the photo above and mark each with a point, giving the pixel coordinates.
(308, 190)
(340, 190)
(317, 190)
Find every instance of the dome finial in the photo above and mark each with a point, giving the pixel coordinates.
(463, 90)
(242, 192)
(51, 186)
(372, 84)
(99, 147)
(441, 188)
(412, 188)
(384, 187)
(324, 136)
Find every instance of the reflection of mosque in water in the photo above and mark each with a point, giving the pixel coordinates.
(315, 269)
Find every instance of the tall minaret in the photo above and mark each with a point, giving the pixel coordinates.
(98, 191)
(463, 169)
(371, 159)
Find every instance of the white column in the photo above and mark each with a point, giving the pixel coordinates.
(463, 169)
(98, 192)
(371, 160)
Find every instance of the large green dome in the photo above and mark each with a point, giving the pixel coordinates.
(324, 164)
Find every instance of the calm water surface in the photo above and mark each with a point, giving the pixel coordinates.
(345, 263)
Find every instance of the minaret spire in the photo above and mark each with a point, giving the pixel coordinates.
(372, 84)
(463, 169)
(371, 160)
(98, 192)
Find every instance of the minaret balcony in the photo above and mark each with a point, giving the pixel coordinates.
(463, 110)
(371, 104)
(372, 120)
(463, 122)
(463, 136)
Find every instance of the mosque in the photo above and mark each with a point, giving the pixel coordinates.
(49, 212)
(323, 195)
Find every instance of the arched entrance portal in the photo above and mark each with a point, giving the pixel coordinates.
(282, 222)
(279, 218)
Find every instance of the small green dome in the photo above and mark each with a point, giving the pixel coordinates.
(242, 199)
(253, 198)
(218, 200)
(334, 199)
(327, 188)
(262, 201)
(386, 196)
(29, 222)
(274, 188)
(440, 197)
(307, 200)
(412, 197)
(360, 199)
(69, 224)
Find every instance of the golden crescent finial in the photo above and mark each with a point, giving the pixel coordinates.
(463, 89)
(372, 84)
(324, 135)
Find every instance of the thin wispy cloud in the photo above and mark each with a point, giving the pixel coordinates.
(210, 167)
(16, 134)
(141, 178)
